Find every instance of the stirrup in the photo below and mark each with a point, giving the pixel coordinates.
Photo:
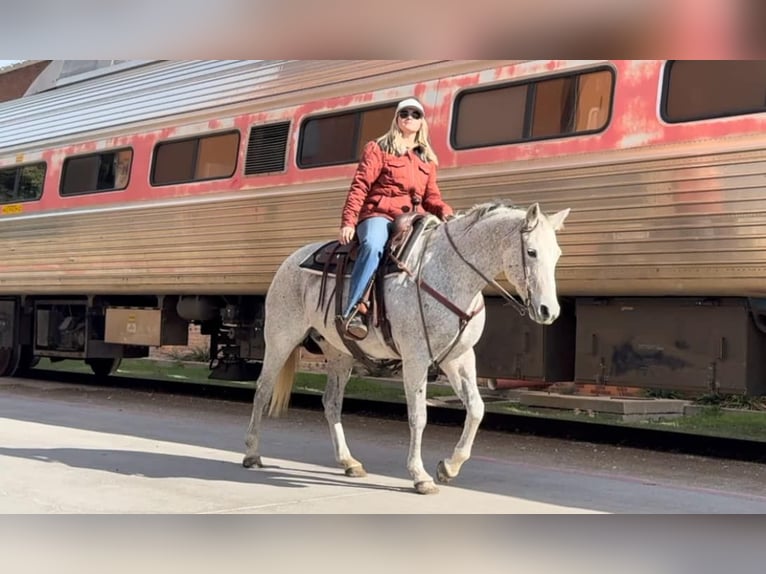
(353, 326)
(356, 327)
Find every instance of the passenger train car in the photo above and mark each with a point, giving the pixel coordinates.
(135, 203)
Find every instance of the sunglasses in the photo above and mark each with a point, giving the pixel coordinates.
(415, 114)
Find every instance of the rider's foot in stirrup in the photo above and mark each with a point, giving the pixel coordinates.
(356, 328)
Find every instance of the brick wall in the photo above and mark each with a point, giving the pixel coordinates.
(196, 339)
(15, 80)
(196, 342)
(309, 362)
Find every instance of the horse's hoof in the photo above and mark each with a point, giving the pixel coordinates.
(356, 471)
(251, 461)
(441, 473)
(426, 487)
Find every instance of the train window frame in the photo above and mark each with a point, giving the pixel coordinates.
(664, 100)
(62, 177)
(17, 168)
(529, 107)
(358, 111)
(198, 138)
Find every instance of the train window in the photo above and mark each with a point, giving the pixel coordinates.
(22, 183)
(549, 108)
(195, 159)
(105, 171)
(340, 138)
(266, 148)
(703, 89)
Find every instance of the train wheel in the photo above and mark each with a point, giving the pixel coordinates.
(104, 367)
(9, 361)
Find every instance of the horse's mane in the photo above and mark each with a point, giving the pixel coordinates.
(482, 209)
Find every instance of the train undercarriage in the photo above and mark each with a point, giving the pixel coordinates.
(699, 345)
(103, 330)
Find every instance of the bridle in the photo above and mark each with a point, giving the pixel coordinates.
(522, 309)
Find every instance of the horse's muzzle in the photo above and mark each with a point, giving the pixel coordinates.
(543, 314)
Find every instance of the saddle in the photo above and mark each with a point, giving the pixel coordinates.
(333, 257)
(336, 260)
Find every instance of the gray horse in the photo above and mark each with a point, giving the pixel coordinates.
(457, 260)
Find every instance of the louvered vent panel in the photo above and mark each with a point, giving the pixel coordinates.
(266, 148)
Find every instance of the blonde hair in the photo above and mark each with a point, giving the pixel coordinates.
(393, 141)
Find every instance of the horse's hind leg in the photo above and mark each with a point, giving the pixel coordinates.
(462, 376)
(280, 359)
(338, 372)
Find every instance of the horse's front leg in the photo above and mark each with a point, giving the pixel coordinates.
(338, 372)
(462, 376)
(415, 377)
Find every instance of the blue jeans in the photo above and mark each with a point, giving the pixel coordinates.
(372, 234)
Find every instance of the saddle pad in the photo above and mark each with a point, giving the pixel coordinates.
(328, 255)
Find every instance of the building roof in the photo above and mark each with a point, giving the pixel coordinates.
(16, 65)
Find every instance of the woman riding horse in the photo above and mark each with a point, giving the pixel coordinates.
(396, 174)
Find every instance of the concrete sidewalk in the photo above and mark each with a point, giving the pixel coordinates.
(66, 448)
(63, 453)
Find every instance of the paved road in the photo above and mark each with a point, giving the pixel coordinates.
(79, 449)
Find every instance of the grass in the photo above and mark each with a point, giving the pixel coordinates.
(177, 371)
(714, 420)
(733, 401)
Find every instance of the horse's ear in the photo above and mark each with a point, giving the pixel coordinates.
(533, 213)
(557, 220)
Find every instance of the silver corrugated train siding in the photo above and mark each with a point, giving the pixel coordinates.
(691, 226)
(221, 247)
(166, 89)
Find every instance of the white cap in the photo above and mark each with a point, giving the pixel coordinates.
(410, 103)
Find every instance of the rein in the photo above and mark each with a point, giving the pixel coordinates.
(464, 316)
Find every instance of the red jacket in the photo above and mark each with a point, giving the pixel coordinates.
(390, 185)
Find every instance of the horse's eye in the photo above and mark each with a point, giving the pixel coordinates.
(532, 252)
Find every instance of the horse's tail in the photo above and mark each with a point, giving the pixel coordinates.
(283, 387)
